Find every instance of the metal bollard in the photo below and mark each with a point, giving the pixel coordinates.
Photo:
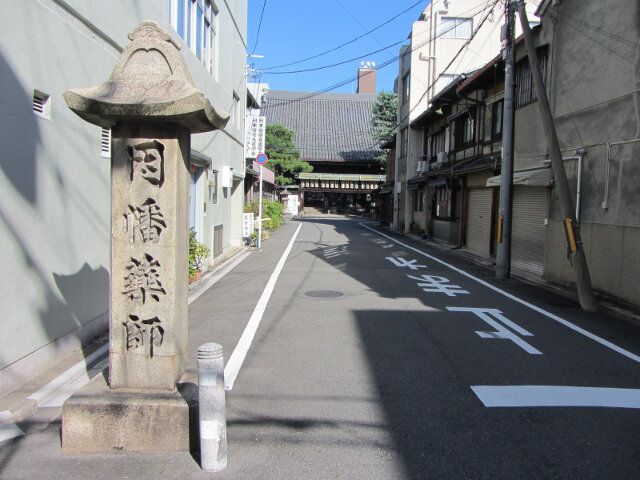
(212, 409)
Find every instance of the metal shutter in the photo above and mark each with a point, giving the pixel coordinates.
(479, 221)
(529, 213)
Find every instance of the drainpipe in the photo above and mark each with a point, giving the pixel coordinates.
(580, 153)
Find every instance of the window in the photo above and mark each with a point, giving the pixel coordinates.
(406, 86)
(525, 92)
(213, 186)
(496, 120)
(452, 27)
(464, 129)
(194, 20)
(442, 202)
(437, 144)
(404, 142)
(418, 200)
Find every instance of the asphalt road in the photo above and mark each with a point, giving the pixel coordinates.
(378, 357)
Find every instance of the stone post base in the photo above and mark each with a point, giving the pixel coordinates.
(99, 420)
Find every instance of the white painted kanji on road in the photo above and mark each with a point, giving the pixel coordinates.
(401, 262)
(501, 331)
(434, 284)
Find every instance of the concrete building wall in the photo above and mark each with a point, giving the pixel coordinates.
(596, 114)
(433, 61)
(54, 182)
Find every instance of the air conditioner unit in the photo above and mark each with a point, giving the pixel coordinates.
(442, 157)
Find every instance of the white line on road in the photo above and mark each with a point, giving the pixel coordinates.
(556, 396)
(8, 429)
(236, 359)
(54, 393)
(68, 382)
(550, 315)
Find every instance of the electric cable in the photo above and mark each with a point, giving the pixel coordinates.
(346, 43)
(472, 12)
(255, 45)
(399, 123)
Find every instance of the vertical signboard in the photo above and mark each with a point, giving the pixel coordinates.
(292, 203)
(254, 138)
(247, 224)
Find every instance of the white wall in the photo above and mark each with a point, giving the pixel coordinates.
(55, 185)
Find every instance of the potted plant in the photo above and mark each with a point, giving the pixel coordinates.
(197, 253)
(430, 229)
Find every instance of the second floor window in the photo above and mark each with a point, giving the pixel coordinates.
(464, 129)
(496, 119)
(195, 22)
(404, 142)
(437, 144)
(406, 85)
(452, 27)
(525, 91)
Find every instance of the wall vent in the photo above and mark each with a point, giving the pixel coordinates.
(41, 104)
(105, 143)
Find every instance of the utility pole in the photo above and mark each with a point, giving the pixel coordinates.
(579, 261)
(503, 252)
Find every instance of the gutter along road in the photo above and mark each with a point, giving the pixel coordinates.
(379, 357)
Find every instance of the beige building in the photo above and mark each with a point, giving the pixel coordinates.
(451, 37)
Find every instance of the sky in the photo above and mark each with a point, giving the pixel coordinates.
(288, 31)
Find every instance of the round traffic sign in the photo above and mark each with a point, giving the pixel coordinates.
(262, 158)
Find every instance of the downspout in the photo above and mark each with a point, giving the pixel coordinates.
(580, 153)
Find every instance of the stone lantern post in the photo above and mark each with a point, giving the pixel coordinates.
(152, 107)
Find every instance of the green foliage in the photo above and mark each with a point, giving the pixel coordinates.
(272, 210)
(284, 157)
(197, 253)
(385, 117)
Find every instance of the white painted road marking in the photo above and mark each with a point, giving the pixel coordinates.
(8, 429)
(501, 332)
(550, 315)
(401, 262)
(54, 393)
(236, 359)
(556, 396)
(436, 284)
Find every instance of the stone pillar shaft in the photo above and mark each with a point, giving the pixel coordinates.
(149, 255)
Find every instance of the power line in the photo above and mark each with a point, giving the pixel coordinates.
(324, 67)
(259, 25)
(346, 43)
(474, 11)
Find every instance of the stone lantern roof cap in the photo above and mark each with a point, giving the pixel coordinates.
(150, 83)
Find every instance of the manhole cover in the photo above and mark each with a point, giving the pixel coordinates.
(323, 294)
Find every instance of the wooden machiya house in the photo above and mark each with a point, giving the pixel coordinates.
(333, 133)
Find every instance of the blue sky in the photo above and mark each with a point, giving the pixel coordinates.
(296, 30)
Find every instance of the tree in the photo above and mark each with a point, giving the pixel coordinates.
(283, 155)
(385, 117)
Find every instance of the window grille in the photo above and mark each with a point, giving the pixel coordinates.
(525, 92)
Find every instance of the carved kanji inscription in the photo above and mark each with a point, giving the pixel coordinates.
(144, 223)
(143, 280)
